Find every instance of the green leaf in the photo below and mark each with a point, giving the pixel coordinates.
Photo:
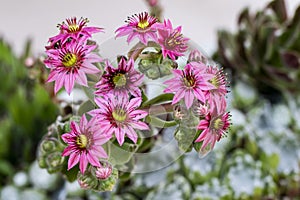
(159, 123)
(185, 137)
(86, 107)
(158, 99)
(120, 155)
(71, 175)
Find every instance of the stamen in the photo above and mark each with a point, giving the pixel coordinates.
(119, 115)
(69, 60)
(82, 141)
(119, 80)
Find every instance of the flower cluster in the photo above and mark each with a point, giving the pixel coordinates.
(120, 111)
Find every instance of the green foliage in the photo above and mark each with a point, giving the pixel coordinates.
(265, 51)
(25, 111)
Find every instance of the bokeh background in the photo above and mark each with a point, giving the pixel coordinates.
(200, 19)
(260, 157)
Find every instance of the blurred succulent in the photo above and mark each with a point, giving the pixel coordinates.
(25, 111)
(265, 51)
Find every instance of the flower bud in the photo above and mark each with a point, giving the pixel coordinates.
(103, 172)
(197, 56)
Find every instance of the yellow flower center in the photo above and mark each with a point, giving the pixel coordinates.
(214, 81)
(143, 24)
(73, 28)
(218, 124)
(69, 60)
(82, 141)
(119, 80)
(119, 115)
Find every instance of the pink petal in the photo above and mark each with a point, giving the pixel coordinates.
(60, 79)
(140, 125)
(93, 160)
(199, 95)
(178, 96)
(189, 98)
(120, 136)
(73, 160)
(131, 133)
(138, 114)
(202, 135)
(89, 68)
(69, 82)
(134, 103)
(81, 78)
(83, 163)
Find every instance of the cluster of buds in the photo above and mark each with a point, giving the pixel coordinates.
(120, 112)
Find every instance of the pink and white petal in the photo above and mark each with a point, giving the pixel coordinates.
(67, 137)
(52, 76)
(83, 124)
(99, 152)
(134, 103)
(73, 160)
(59, 82)
(74, 127)
(203, 124)
(131, 36)
(139, 125)
(137, 114)
(67, 151)
(202, 135)
(189, 98)
(179, 95)
(199, 95)
(124, 30)
(89, 68)
(93, 160)
(81, 78)
(69, 82)
(120, 136)
(93, 58)
(131, 133)
(83, 162)
(135, 91)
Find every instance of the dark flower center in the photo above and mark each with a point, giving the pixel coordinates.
(69, 60)
(174, 40)
(189, 81)
(82, 141)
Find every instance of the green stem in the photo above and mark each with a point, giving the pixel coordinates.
(157, 122)
(158, 99)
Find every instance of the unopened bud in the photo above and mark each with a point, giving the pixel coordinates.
(103, 172)
(197, 56)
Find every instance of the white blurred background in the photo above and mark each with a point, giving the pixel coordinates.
(37, 19)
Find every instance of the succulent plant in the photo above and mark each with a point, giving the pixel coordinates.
(265, 50)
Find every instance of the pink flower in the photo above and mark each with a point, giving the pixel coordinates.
(214, 125)
(70, 64)
(171, 40)
(84, 144)
(121, 81)
(73, 29)
(117, 115)
(219, 81)
(140, 25)
(189, 83)
(104, 172)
